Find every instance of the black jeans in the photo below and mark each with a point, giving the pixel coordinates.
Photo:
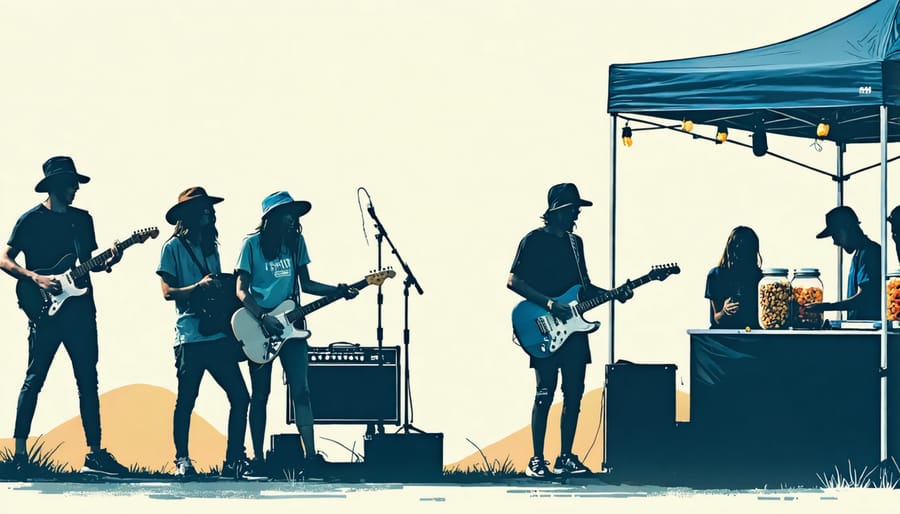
(220, 358)
(75, 326)
(294, 361)
(547, 373)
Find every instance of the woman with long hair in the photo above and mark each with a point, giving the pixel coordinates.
(187, 268)
(731, 286)
(273, 260)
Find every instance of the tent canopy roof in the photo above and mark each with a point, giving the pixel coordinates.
(840, 73)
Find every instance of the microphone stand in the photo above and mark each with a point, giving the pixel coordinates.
(409, 281)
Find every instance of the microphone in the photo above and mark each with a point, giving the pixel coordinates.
(371, 211)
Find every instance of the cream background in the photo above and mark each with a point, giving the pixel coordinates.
(455, 116)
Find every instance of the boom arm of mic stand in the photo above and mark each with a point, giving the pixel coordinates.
(410, 278)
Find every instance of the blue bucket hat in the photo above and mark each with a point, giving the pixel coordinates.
(284, 199)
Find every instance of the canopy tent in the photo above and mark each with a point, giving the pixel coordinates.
(841, 73)
(846, 74)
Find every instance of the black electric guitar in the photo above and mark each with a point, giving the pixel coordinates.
(39, 303)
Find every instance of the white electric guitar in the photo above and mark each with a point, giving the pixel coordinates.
(261, 347)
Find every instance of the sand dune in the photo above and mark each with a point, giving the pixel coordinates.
(137, 429)
(517, 446)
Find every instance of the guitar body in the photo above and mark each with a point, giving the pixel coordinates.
(541, 333)
(38, 303)
(259, 347)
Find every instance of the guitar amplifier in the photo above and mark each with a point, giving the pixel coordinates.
(640, 416)
(353, 384)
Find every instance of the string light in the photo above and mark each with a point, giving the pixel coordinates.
(687, 125)
(822, 129)
(626, 135)
(721, 134)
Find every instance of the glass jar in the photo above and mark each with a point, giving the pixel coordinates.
(807, 288)
(774, 292)
(893, 295)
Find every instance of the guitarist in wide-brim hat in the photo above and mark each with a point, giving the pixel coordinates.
(550, 261)
(47, 235)
(273, 266)
(190, 269)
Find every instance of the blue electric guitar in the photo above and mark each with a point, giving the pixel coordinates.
(540, 333)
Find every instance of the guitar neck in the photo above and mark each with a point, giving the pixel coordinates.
(100, 258)
(602, 298)
(301, 312)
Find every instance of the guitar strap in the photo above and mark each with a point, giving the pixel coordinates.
(203, 269)
(577, 258)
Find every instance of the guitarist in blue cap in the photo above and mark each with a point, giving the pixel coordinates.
(549, 261)
(273, 263)
(46, 234)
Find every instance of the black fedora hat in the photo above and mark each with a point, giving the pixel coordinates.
(56, 167)
(187, 198)
(564, 195)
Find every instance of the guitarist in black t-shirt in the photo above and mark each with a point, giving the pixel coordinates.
(46, 234)
(549, 261)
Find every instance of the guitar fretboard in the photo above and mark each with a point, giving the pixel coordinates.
(602, 298)
(100, 258)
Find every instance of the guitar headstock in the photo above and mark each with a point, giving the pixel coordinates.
(662, 271)
(376, 278)
(145, 233)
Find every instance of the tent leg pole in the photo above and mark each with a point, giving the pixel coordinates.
(612, 235)
(841, 149)
(884, 246)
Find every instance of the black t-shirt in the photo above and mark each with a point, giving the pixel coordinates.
(547, 263)
(722, 283)
(44, 237)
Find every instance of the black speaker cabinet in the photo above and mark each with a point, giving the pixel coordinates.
(640, 416)
(404, 457)
(353, 385)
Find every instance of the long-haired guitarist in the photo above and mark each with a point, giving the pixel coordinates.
(188, 266)
(48, 235)
(273, 261)
(549, 261)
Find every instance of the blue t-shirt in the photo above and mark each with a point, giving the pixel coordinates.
(271, 281)
(178, 263)
(865, 268)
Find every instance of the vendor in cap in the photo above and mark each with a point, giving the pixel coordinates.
(188, 268)
(271, 261)
(549, 261)
(864, 278)
(46, 234)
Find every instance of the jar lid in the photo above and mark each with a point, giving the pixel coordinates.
(808, 272)
(894, 273)
(775, 271)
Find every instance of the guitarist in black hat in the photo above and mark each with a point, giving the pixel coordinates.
(45, 234)
(549, 261)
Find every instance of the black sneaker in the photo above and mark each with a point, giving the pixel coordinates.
(184, 468)
(570, 465)
(241, 469)
(537, 468)
(103, 463)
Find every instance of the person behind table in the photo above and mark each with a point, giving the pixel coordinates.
(731, 286)
(864, 278)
